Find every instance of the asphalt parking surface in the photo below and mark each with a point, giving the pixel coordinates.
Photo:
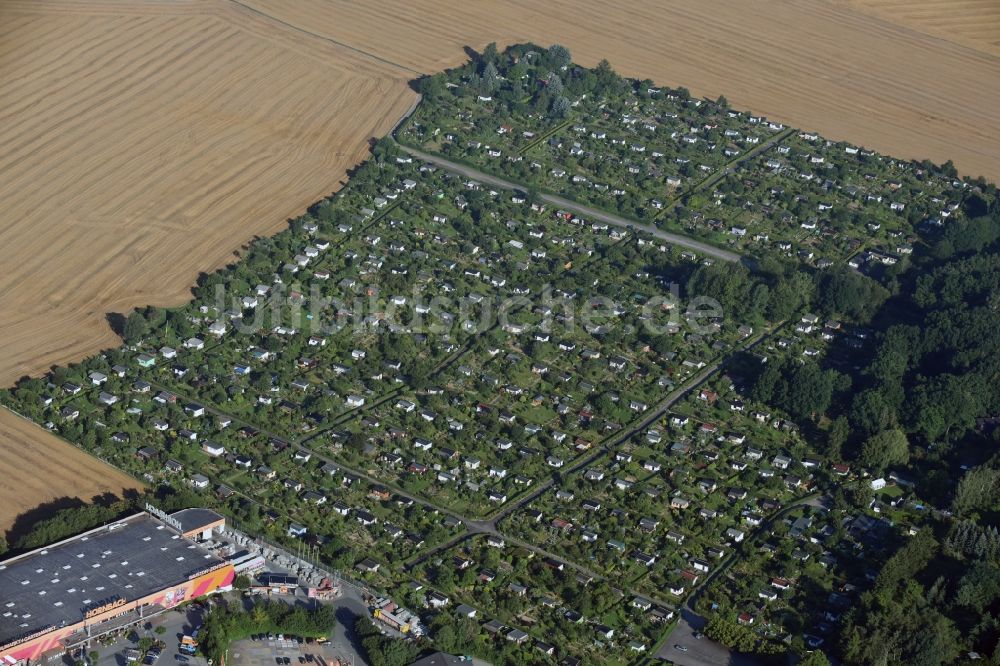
(700, 651)
(268, 652)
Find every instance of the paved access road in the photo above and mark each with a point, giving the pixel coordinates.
(587, 211)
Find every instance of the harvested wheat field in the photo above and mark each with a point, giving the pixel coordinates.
(38, 467)
(817, 64)
(144, 142)
(974, 23)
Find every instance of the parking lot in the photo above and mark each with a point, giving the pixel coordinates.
(696, 650)
(171, 626)
(285, 651)
(175, 624)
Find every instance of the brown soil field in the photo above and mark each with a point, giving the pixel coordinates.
(144, 142)
(26, 449)
(974, 23)
(855, 72)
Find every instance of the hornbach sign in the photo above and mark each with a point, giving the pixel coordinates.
(173, 522)
(104, 608)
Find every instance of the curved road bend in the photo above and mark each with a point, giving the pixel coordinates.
(592, 213)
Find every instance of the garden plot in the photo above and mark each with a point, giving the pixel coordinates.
(523, 604)
(665, 508)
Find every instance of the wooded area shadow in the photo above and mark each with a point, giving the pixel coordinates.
(116, 320)
(26, 522)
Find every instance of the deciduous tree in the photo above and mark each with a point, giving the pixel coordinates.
(889, 447)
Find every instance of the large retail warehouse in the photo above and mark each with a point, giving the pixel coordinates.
(62, 595)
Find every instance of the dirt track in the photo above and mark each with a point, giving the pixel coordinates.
(588, 212)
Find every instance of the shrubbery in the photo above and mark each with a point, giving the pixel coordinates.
(381, 650)
(226, 624)
(71, 521)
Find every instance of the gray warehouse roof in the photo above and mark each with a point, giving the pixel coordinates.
(192, 519)
(129, 559)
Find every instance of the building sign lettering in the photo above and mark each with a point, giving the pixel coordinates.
(173, 522)
(104, 608)
(27, 637)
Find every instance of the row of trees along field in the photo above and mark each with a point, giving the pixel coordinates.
(74, 520)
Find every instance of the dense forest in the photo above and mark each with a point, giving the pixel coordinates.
(929, 596)
(924, 401)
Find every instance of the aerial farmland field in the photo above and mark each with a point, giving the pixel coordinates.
(563, 483)
(153, 140)
(150, 142)
(198, 172)
(510, 391)
(972, 23)
(902, 78)
(27, 453)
